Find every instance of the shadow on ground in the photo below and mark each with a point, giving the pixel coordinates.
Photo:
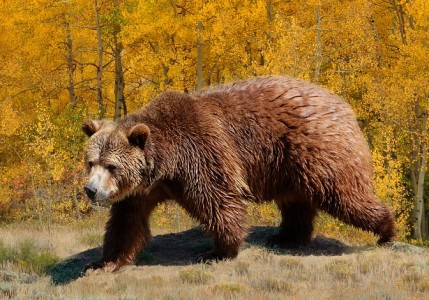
(182, 248)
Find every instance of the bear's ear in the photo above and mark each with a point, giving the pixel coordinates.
(92, 126)
(138, 135)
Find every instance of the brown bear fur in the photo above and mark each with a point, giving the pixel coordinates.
(255, 140)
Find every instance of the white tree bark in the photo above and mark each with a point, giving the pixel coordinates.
(101, 107)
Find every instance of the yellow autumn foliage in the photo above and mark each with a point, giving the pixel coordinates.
(373, 53)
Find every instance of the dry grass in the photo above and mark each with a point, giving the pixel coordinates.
(327, 269)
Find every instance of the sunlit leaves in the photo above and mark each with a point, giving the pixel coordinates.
(359, 49)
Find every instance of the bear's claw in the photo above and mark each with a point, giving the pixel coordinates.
(210, 257)
(99, 267)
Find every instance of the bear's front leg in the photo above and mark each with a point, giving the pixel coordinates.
(127, 232)
(225, 247)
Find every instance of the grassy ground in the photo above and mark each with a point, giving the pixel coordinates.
(326, 269)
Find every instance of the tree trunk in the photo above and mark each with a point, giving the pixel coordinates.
(420, 230)
(401, 19)
(200, 58)
(420, 226)
(101, 107)
(318, 45)
(270, 17)
(70, 66)
(377, 39)
(270, 14)
(120, 105)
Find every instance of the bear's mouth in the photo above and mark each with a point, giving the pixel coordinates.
(98, 195)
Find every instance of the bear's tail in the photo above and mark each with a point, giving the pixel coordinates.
(368, 214)
(386, 227)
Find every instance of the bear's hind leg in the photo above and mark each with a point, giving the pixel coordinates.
(296, 227)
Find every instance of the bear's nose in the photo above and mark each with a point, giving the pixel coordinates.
(90, 191)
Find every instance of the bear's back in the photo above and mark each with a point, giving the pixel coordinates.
(277, 107)
(280, 125)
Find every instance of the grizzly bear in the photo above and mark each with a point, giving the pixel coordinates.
(268, 138)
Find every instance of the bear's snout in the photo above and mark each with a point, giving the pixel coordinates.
(90, 191)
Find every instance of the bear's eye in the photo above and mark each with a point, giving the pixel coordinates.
(90, 164)
(111, 168)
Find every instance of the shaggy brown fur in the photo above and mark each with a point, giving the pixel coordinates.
(255, 140)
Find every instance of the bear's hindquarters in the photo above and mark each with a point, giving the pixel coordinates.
(364, 212)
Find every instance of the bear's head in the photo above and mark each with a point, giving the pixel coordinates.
(117, 160)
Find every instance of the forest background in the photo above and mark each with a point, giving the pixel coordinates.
(63, 61)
